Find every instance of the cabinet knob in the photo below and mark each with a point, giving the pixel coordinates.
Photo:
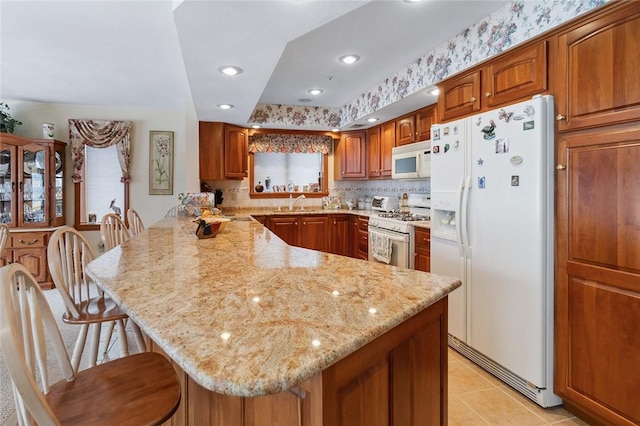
(473, 99)
(487, 94)
(561, 167)
(560, 117)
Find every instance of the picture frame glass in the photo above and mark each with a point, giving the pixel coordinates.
(160, 163)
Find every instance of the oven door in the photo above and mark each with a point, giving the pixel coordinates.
(400, 247)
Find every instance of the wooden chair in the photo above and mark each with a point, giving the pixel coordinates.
(68, 253)
(135, 222)
(113, 231)
(138, 389)
(172, 212)
(4, 236)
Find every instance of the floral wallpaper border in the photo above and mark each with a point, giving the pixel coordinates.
(508, 26)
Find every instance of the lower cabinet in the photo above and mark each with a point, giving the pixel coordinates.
(360, 237)
(30, 249)
(399, 378)
(340, 241)
(422, 249)
(342, 234)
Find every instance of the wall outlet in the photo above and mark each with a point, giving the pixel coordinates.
(101, 246)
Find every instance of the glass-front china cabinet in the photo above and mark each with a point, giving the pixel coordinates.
(31, 199)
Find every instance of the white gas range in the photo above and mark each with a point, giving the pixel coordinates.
(391, 238)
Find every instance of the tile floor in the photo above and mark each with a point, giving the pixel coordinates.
(476, 398)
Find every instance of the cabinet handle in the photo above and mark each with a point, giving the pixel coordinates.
(473, 99)
(487, 94)
(20, 186)
(561, 167)
(27, 243)
(560, 117)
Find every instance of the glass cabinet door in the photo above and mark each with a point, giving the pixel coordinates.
(59, 183)
(34, 185)
(7, 185)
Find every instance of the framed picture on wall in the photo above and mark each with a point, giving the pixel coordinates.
(160, 162)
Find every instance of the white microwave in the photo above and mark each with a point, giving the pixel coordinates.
(411, 161)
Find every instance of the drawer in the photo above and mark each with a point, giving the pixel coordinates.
(423, 238)
(29, 239)
(363, 223)
(363, 238)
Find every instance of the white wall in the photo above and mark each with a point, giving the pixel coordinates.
(182, 122)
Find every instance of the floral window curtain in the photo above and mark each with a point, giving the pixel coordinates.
(307, 144)
(100, 134)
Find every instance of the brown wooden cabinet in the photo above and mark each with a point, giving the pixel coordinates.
(314, 232)
(416, 126)
(29, 249)
(599, 71)
(340, 235)
(597, 292)
(285, 227)
(422, 249)
(512, 77)
(224, 151)
(350, 160)
(381, 139)
(360, 237)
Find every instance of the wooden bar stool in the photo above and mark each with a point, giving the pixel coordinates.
(135, 222)
(68, 253)
(139, 389)
(113, 231)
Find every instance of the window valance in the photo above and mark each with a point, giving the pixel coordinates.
(100, 134)
(285, 143)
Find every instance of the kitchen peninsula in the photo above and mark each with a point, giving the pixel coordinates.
(263, 333)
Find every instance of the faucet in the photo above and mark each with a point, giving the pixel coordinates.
(292, 202)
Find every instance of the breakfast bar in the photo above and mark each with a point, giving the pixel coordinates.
(263, 333)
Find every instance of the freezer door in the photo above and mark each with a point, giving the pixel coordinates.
(510, 226)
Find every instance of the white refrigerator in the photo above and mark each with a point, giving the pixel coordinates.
(492, 186)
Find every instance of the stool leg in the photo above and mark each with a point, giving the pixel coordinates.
(122, 335)
(79, 347)
(95, 343)
(142, 347)
(108, 335)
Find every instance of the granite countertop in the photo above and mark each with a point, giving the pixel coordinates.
(244, 313)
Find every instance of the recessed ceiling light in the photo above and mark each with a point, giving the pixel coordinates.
(412, 1)
(335, 130)
(315, 91)
(305, 100)
(256, 126)
(349, 59)
(435, 92)
(372, 119)
(230, 70)
(225, 106)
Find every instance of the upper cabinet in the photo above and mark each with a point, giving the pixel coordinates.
(224, 151)
(381, 139)
(599, 71)
(31, 182)
(507, 79)
(415, 127)
(350, 161)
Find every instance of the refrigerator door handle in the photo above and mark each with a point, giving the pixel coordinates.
(458, 219)
(464, 216)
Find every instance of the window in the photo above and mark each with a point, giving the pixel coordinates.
(101, 185)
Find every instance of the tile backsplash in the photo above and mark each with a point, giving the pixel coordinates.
(236, 193)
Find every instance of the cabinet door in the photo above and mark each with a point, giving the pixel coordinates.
(459, 96)
(353, 160)
(57, 193)
(387, 141)
(599, 71)
(313, 233)
(405, 130)
(518, 75)
(424, 119)
(35, 260)
(340, 235)
(374, 140)
(211, 150)
(423, 249)
(597, 291)
(286, 228)
(236, 152)
(33, 177)
(8, 185)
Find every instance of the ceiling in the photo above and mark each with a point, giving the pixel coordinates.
(158, 54)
